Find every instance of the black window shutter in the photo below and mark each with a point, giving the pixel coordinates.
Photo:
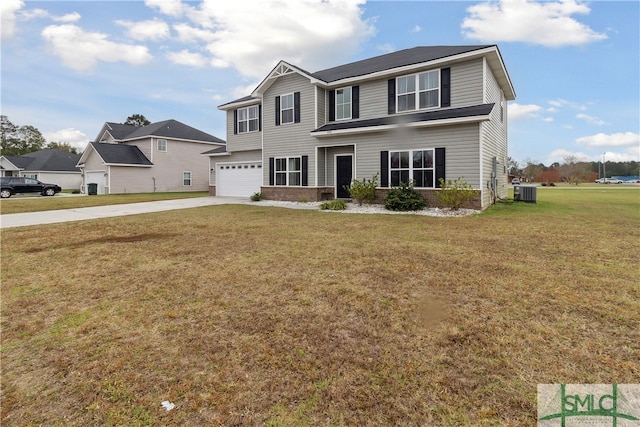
(235, 122)
(355, 102)
(332, 105)
(277, 111)
(272, 172)
(384, 169)
(440, 162)
(391, 96)
(260, 117)
(305, 171)
(296, 107)
(445, 87)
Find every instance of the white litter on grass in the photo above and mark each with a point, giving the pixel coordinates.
(167, 405)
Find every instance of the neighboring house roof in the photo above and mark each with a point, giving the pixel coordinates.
(119, 154)
(218, 150)
(166, 129)
(50, 159)
(473, 113)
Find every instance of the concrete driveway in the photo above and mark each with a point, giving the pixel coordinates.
(80, 214)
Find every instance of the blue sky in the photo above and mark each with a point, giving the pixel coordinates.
(70, 66)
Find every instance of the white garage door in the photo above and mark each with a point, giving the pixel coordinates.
(96, 178)
(239, 179)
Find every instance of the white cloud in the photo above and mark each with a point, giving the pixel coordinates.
(560, 154)
(71, 136)
(312, 34)
(173, 8)
(603, 140)
(545, 23)
(81, 50)
(41, 13)
(416, 29)
(153, 29)
(189, 34)
(69, 17)
(386, 47)
(518, 111)
(8, 9)
(591, 119)
(185, 57)
(33, 14)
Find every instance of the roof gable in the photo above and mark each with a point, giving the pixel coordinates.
(166, 129)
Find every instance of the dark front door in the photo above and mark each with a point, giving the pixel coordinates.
(344, 174)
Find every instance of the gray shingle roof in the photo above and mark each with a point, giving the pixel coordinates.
(121, 154)
(452, 113)
(392, 60)
(218, 150)
(50, 159)
(167, 129)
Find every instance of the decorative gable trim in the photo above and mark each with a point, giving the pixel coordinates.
(282, 69)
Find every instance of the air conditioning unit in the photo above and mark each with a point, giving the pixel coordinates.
(525, 193)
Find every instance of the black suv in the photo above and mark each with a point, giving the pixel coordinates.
(17, 184)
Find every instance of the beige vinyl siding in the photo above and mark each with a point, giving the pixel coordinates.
(466, 90)
(292, 139)
(167, 170)
(460, 142)
(373, 99)
(94, 162)
(242, 141)
(494, 138)
(466, 83)
(148, 146)
(240, 156)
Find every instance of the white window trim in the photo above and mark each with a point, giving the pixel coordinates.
(335, 103)
(166, 144)
(293, 109)
(248, 120)
(190, 179)
(418, 91)
(286, 171)
(410, 168)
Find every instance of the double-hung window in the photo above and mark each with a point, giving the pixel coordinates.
(248, 120)
(418, 91)
(186, 179)
(415, 165)
(343, 103)
(286, 109)
(288, 171)
(161, 145)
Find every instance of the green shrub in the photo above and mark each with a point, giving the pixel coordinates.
(404, 198)
(256, 197)
(363, 191)
(334, 205)
(454, 194)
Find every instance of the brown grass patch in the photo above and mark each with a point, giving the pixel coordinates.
(246, 315)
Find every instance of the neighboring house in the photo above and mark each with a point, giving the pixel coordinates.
(51, 166)
(162, 156)
(422, 114)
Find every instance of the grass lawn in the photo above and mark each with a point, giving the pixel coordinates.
(251, 315)
(37, 203)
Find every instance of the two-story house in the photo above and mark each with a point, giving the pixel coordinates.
(419, 114)
(161, 156)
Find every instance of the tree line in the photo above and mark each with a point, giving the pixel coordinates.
(17, 140)
(571, 170)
